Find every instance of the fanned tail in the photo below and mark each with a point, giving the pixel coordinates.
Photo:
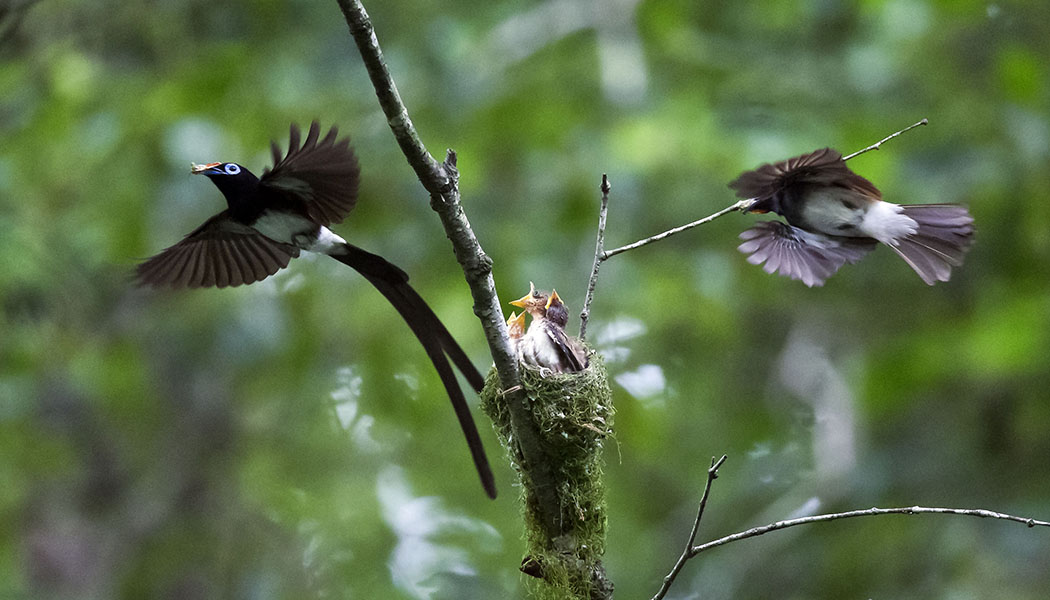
(436, 340)
(944, 236)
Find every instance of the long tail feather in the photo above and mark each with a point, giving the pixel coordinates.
(944, 236)
(369, 264)
(435, 339)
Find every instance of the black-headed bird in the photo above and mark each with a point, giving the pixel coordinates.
(271, 219)
(835, 216)
(546, 344)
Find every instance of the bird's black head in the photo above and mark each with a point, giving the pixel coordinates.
(234, 181)
(557, 312)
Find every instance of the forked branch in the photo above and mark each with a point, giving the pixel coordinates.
(691, 550)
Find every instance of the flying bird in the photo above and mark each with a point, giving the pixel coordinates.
(835, 216)
(269, 220)
(546, 344)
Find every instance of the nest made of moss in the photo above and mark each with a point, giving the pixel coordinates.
(573, 413)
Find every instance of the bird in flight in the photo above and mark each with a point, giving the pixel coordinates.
(835, 216)
(545, 343)
(270, 219)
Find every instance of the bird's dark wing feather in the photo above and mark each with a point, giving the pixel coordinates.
(821, 167)
(219, 253)
(800, 255)
(323, 174)
(572, 357)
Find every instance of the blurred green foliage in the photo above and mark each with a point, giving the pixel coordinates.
(289, 440)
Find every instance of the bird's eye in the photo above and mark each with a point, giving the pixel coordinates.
(232, 169)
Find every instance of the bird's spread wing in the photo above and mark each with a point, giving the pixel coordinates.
(822, 167)
(798, 254)
(219, 253)
(323, 174)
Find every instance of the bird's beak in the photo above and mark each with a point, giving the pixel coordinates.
(554, 298)
(512, 318)
(202, 169)
(520, 302)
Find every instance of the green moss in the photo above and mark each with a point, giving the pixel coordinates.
(574, 415)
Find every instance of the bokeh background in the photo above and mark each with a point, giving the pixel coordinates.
(289, 439)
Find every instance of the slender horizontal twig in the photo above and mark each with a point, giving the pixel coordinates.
(868, 512)
(712, 474)
(741, 205)
(879, 143)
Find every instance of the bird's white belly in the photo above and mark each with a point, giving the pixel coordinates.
(284, 227)
(297, 231)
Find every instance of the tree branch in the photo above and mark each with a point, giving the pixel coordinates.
(441, 181)
(599, 250)
(879, 143)
(867, 512)
(741, 205)
(712, 474)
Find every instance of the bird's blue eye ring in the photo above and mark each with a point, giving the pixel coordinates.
(232, 169)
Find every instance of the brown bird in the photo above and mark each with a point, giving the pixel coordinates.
(271, 219)
(558, 315)
(835, 216)
(515, 327)
(546, 344)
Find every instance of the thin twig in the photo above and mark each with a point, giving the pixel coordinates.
(712, 474)
(599, 250)
(741, 205)
(691, 550)
(868, 512)
(441, 181)
(876, 145)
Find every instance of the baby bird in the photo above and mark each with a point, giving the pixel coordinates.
(545, 344)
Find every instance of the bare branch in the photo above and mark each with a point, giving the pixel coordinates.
(868, 512)
(599, 250)
(441, 181)
(879, 143)
(712, 474)
(741, 205)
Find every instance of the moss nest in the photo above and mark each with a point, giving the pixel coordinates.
(574, 414)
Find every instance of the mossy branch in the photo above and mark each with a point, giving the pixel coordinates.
(441, 181)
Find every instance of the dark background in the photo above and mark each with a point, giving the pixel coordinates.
(290, 440)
